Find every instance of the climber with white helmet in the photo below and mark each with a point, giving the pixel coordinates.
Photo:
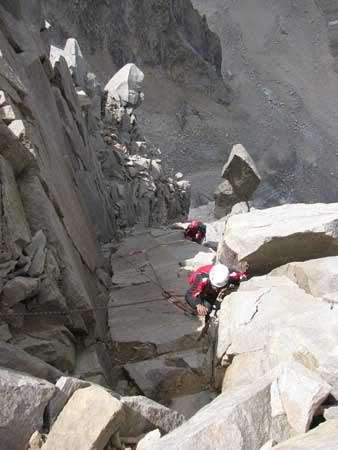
(195, 231)
(207, 282)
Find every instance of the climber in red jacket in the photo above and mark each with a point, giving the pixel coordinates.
(207, 282)
(195, 231)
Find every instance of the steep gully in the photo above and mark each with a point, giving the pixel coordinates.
(75, 175)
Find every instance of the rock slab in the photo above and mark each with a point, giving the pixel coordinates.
(89, 419)
(241, 172)
(269, 238)
(143, 415)
(23, 400)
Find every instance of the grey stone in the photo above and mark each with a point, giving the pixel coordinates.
(225, 199)
(189, 405)
(75, 61)
(240, 418)
(269, 445)
(5, 333)
(11, 77)
(23, 400)
(18, 128)
(84, 100)
(169, 375)
(143, 415)
(241, 172)
(126, 85)
(301, 393)
(70, 97)
(53, 344)
(19, 289)
(283, 234)
(270, 319)
(152, 436)
(94, 363)
(323, 437)
(15, 358)
(36, 441)
(37, 251)
(214, 234)
(10, 148)
(15, 230)
(55, 54)
(65, 388)
(89, 420)
(318, 277)
(331, 413)
(8, 113)
(3, 98)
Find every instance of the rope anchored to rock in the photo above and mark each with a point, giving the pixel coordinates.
(168, 296)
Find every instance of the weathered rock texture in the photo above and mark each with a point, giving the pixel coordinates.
(168, 34)
(272, 320)
(89, 419)
(162, 361)
(242, 173)
(322, 438)
(272, 407)
(318, 277)
(287, 122)
(143, 415)
(241, 181)
(269, 238)
(22, 401)
(72, 176)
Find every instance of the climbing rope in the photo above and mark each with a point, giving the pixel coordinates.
(167, 295)
(77, 311)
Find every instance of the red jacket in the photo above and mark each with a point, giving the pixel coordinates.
(201, 286)
(195, 231)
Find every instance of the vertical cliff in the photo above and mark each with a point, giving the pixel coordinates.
(72, 177)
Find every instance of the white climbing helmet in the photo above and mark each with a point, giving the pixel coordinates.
(219, 275)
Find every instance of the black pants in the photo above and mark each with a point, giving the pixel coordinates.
(191, 302)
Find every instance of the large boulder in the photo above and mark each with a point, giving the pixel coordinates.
(143, 415)
(23, 400)
(53, 344)
(126, 86)
(324, 437)
(169, 375)
(318, 277)
(271, 320)
(13, 150)
(301, 392)
(269, 238)
(15, 232)
(242, 173)
(225, 199)
(65, 388)
(37, 252)
(152, 436)
(19, 289)
(89, 419)
(14, 358)
(75, 61)
(239, 419)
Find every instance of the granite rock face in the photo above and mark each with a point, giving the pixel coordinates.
(23, 400)
(272, 237)
(73, 176)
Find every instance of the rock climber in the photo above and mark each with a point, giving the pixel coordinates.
(208, 283)
(195, 231)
